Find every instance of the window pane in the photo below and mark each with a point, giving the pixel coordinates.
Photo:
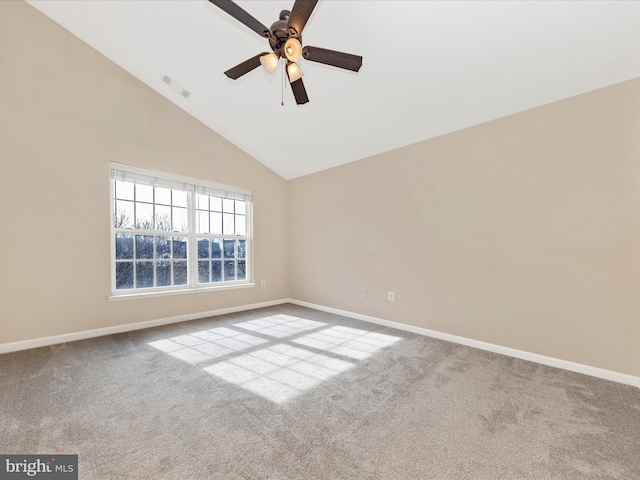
(228, 224)
(203, 271)
(123, 216)
(216, 271)
(216, 248)
(179, 198)
(144, 193)
(228, 205)
(163, 196)
(163, 274)
(202, 202)
(240, 207)
(124, 190)
(229, 248)
(180, 273)
(163, 248)
(163, 217)
(216, 204)
(241, 225)
(144, 274)
(179, 219)
(203, 222)
(242, 274)
(216, 223)
(144, 216)
(124, 246)
(203, 248)
(124, 275)
(144, 246)
(229, 270)
(179, 247)
(242, 248)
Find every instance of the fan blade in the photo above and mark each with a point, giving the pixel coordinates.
(300, 13)
(299, 92)
(244, 67)
(333, 58)
(241, 15)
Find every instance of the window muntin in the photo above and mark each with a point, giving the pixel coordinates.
(174, 234)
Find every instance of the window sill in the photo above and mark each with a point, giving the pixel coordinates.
(182, 291)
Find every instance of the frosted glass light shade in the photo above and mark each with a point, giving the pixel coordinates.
(293, 50)
(269, 62)
(294, 72)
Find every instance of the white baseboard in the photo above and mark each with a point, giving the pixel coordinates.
(512, 352)
(128, 327)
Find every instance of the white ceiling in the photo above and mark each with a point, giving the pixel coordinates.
(429, 68)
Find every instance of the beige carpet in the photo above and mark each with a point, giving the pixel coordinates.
(292, 393)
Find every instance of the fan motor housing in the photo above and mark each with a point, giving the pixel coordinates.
(280, 33)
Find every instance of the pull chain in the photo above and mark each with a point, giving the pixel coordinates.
(282, 91)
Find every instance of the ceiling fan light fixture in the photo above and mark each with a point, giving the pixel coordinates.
(285, 41)
(293, 49)
(294, 72)
(269, 62)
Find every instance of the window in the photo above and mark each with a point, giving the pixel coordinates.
(176, 233)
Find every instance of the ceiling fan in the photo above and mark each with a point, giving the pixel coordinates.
(286, 42)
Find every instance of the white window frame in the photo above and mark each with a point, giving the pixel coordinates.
(193, 187)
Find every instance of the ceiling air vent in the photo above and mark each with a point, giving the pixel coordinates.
(176, 86)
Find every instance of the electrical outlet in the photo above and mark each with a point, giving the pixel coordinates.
(365, 292)
(391, 296)
(263, 283)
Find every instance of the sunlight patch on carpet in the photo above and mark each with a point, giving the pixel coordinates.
(270, 364)
(349, 342)
(280, 372)
(280, 326)
(206, 345)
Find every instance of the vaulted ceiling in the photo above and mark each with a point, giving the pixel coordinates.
(429, 68)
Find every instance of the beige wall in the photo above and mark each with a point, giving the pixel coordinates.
(65, 112)
(522, 232)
